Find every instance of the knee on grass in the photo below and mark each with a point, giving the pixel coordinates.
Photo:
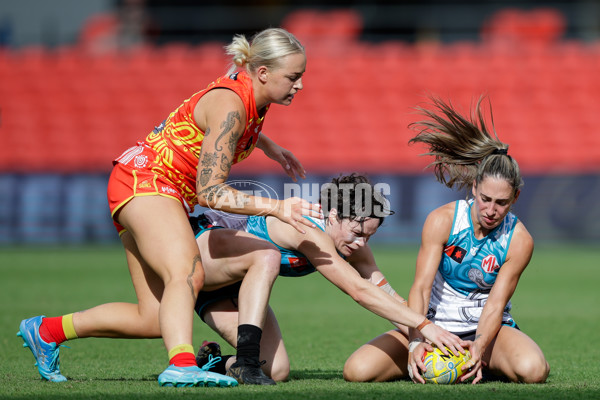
(280, 372)
(532, 370)
(358, 371)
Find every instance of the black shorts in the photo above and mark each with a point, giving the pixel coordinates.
(201, 224)
(471, 335)
(207, 298)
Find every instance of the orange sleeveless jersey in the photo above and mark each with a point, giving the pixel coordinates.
(172, 149)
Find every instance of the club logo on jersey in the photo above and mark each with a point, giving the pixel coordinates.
(456, 253)
(489, 264)
(140, 161)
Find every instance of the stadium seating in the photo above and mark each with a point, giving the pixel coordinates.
(68, 110)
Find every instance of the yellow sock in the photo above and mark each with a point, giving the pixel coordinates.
(68, 327)
(182, 348)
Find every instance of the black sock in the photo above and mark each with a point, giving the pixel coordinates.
(248, 344)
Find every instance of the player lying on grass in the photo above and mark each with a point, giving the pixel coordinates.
(471, 257)
(338, 250)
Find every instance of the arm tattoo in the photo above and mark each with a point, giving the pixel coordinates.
(210, 192)
(240, 199)
(232, 142)
(216, 192)
(225, 164)
(204, 177)
(228, 126)
(209, 159)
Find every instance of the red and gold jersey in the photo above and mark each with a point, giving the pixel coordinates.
(175, 144)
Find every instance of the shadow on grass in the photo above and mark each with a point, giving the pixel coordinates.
(315, 374)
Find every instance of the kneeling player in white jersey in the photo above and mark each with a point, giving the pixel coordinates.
(471, 257)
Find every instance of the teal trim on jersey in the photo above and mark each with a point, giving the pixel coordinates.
(293, 263)
(482, 258)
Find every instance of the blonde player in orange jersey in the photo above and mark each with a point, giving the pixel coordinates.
(185, 161)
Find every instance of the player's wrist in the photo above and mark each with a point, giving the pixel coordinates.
(413, 344)
(423, 324)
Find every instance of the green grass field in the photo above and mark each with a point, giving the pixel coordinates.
(556, 303)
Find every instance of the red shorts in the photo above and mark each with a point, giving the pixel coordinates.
(125, 183)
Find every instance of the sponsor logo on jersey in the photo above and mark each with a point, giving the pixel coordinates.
(146, 183)
(489, 264)
(168, 189)
(456, 253)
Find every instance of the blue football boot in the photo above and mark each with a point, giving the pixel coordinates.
(46, 354)
(194, 376)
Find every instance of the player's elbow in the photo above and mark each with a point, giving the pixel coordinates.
(202, 202)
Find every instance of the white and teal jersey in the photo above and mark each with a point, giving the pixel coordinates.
(293, 263)
(467, 272)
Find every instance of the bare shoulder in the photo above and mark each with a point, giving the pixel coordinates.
(286, 236)
(442, 216)
(282, 234)
(216, 105)
(521, 244)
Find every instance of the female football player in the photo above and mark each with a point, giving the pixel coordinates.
(353, 211)
(471, 257)
(183, 162)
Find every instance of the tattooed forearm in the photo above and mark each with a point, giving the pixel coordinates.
(227, 127)
(225, 197)
(233, 198)
(210, 193)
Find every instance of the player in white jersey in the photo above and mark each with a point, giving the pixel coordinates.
(471, 257)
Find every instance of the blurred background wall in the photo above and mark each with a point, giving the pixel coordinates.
(80, 81)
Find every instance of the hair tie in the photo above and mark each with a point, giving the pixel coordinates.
(500, 151)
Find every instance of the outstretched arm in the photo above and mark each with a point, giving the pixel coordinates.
(363, 261)
(318, 247)
(518, 257)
